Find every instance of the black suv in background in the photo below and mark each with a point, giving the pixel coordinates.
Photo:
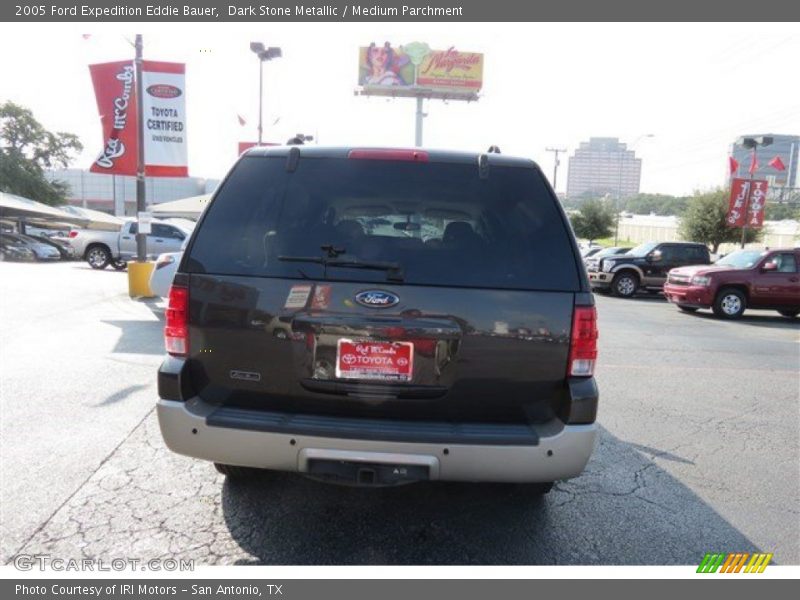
(645, 267)
(435, 322)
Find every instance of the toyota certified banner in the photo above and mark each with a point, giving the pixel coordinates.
(164, 117)
(164, 114)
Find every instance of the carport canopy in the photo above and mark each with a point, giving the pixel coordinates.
(17, 208)
(188, 208)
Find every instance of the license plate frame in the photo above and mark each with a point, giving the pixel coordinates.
(370, 360)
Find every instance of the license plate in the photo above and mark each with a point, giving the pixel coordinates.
(383, 361)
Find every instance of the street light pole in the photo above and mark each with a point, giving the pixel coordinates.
(752, 143)
(264, 54)
(141, 205)
(260, 100)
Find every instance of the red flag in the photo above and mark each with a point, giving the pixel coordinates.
(777, 163)
(733, 164)
(753, 164)
(242, 122)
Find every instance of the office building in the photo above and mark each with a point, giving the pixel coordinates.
(603, 166)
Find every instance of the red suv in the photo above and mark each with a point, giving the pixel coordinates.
(763, 279)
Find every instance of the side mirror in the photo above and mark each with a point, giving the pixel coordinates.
(770, 266)
(654, 256)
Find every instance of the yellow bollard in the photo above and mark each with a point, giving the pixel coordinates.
(139, 279)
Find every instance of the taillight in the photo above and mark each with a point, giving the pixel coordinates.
(73, 234)
(583, 345)
(176, 330)
(388, 154)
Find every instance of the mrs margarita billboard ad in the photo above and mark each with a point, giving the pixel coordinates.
(415, 65)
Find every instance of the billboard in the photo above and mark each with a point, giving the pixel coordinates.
(164, 117)
(417, 70)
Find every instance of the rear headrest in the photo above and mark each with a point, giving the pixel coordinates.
(349, 228)
(458, 231)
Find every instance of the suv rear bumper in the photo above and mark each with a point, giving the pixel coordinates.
(555, 452)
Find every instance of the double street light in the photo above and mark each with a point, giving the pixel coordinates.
(264, 54)
(751, 143)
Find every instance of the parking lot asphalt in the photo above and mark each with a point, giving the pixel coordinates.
(699, 451)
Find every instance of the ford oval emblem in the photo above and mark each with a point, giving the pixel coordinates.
(377, 299)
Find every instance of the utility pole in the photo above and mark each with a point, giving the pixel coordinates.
(555, 151)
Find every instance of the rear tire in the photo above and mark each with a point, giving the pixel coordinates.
(98, 257)
(730, 303)
(625, 284)
(687, 309)
(234, 472)
(540, 489)
(791, 314)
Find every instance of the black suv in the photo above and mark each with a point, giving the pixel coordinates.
(378, 317)
(645, 267)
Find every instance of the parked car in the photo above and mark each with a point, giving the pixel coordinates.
(103, 248)
(744, 279)
(590, 250)
(592, 261)
(11, 249)
(40, 250)
(164, 272)
(66, 251)
(645, 267)
(396, 356)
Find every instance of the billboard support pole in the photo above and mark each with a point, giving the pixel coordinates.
(420, 116)
(141, 205)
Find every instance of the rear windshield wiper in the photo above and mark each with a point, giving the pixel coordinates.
(394, 272)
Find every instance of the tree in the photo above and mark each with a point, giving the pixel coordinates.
(594, 220)
(658, 204)
(26, 150)
(704, 221)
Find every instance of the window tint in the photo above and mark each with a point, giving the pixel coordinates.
(786, 262)
(165, 231)
(440, 221)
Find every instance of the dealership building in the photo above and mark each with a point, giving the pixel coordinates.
(603, 165)
(116, 194)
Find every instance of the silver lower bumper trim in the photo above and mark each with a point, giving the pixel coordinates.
(561, 453)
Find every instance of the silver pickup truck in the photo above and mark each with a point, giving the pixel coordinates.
(103, 248)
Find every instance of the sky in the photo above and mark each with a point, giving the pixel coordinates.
(694, 88)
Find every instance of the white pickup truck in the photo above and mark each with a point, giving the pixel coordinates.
(115, 248)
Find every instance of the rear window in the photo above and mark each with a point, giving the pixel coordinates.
(439, 222)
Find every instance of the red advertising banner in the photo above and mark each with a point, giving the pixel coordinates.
(746, 203)
(116, 103)
(164, 108)
(758, 200)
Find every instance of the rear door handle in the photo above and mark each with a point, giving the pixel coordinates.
(794, 279)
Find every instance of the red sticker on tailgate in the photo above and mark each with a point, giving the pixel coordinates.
(384, 361)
